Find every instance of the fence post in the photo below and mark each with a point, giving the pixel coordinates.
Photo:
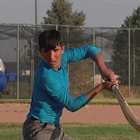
(32, 62)
(129, 74)
(94, 43)
(17, 91)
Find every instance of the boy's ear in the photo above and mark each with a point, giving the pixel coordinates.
(63, 49)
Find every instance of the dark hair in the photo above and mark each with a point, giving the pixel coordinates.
(49, 39)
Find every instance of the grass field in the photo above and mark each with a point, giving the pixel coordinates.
(102, 101)
(13, 131)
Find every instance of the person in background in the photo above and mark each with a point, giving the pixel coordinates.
(2, 76)
(50, 90)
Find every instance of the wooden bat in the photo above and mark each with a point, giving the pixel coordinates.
(127, 111)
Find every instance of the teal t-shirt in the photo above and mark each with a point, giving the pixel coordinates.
(50, 90)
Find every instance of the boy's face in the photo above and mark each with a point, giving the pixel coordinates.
(53, 57)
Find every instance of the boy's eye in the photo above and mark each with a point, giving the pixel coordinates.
(55, 50)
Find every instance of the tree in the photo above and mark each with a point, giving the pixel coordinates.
(120, 49)
(61, 14)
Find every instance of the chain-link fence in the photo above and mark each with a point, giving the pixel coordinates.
(19, 50)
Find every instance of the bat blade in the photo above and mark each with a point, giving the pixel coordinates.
(127, 111)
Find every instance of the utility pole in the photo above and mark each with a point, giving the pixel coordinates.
(36, 12)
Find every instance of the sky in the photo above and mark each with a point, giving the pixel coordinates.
(99, 13)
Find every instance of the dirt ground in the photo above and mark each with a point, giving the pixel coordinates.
(90, 114)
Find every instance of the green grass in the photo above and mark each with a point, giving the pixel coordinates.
(107, 101)
(22, 101)
(13, 131)
(10, 131)
(104, 101)
(102, 132)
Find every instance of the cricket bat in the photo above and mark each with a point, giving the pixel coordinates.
(127, 111)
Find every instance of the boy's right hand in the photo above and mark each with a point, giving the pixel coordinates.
(108, 85)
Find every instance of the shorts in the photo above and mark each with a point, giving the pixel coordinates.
(33, 129)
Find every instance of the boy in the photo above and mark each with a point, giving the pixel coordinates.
(50, 90)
